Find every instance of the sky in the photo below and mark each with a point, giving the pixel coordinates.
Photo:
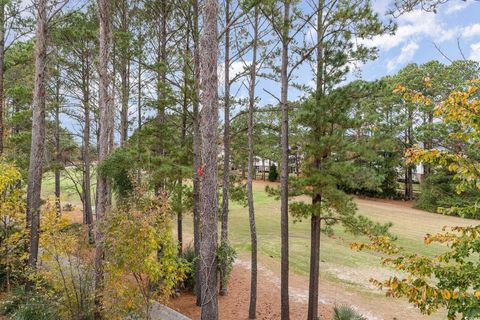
(454, 29)
(450, 34)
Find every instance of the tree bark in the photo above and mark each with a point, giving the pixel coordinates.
(58, 156)
(315, 222)
(226, 150)
(409, 143)
(197, 143)
(2, 66)
(35, 168)
(139, 108)
(209, 126)
(87, 194)
(105, 125)
(314, 264)
(252, 311)
(124, 78)
(285, 308)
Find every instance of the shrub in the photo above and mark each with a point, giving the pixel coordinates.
(139, 246)
(226, 257)
(346, 313)
(13, 235)
(272, 173)
(189, 256)
(439, 195)
(27, 305)
(67, 265)
(67, 207)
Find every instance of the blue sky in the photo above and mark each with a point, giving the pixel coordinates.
(419, 31)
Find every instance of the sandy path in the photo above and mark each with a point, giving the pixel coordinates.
(234, 306)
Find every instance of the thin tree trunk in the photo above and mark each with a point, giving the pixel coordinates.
(226, 150)
(409, 168)
(35, 168)
(315, 222)
(58, 156)
(183, 143)
(104, 144)
(209, 126)
(263, 169)
(87, 195)
(197, 143)
(252, 311)
(314, 263)
(285, 308)
(139, 112)
(124, 78)
(2, 62)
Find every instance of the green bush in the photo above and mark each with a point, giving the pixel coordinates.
(438, 194)
(273, 173)
(189, 256)
(29, 305)
(346, 313)
(226, 257)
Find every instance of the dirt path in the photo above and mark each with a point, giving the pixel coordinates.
(234, 306)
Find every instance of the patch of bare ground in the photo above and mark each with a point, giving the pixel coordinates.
(234, 306)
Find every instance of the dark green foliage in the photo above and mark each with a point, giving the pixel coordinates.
(438, 194)
(226, 257)
(336, 160)
(272, 173)
(238, 191)
(346, 313)
(188, 254)
(29, 305)
(118, 168)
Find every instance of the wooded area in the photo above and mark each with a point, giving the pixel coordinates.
(163, 114)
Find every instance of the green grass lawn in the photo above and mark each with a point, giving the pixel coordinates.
(410, 226)
(68, 190)
(337, 259)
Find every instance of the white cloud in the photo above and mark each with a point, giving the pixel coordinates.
(414, 24)
(457, 6)
(475, 51)
(405, 56)
(471, 31)
(236, 68)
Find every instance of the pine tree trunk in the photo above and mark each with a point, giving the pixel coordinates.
(263, 170)
(105, 124)
(2, 63)
(139, 109)
(125, 79)
(209, 126)
(58, 156)
(226, 150)
(409, 143)
(314, 264)
(252, 311)
(285, 307)
(317, 198)
(87, 194)
(35, 168)
(197, 144)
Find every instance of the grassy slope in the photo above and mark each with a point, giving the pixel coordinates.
(410, 226)
(349, 269)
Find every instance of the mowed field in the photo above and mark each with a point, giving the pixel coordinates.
(345, 273)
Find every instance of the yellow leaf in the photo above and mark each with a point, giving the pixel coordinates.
(394, 284)
(477, 294)
(446, 294)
